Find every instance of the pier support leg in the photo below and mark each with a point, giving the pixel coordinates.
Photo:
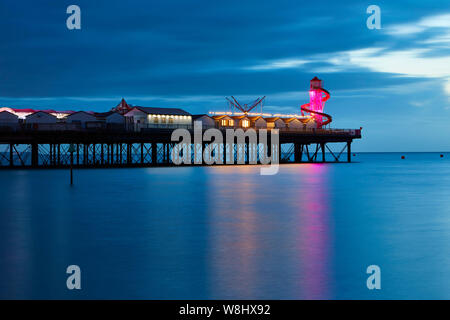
(102, 155)
(279, 152)
(128, 154)
(111, 146)
(247, 152)
(78, 154)
(59, 154)
(11, 157)
(202, 153)
(94, 160)
(154, 154)
(34, 155)
(224, 152)
(85, 154)
(297, 153)
(167, 153)
(322, 146)
(164, 153)
(142, 153)
(50, 149)
(349, 151)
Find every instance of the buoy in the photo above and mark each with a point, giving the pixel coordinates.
(403, 157)
(442, 155)
(354, 155)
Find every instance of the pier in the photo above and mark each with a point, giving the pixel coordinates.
(153, 147)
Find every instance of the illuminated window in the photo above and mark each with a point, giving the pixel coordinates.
(245, 123)
(170, 120)
(231, 123)
(155, 119)
(223, 122)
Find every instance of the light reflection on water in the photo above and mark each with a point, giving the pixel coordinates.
(228, 232)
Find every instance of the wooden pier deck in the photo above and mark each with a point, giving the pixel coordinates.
(153, 147)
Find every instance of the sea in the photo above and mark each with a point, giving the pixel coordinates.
(311, 231)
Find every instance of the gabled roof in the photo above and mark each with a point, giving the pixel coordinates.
(196, 116)
(272, 119)
(240, 117)
(4, 111)
(122, 107)
(106, 114)
(218, 117)
(89, 113)
(306, 120)
(162, 111)
(287, 120)
(43, 112)
(254, 118)
(65, 111)
(24, 110)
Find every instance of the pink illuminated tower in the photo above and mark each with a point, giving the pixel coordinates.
(317, 97)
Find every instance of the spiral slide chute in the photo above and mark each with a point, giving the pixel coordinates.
(307, 108)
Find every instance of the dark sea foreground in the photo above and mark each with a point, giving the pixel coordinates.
(308, 232)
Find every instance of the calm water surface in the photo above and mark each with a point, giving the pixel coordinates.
(227, 232)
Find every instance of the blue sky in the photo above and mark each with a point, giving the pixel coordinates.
(394, 82)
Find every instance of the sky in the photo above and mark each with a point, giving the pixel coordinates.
(394, 82)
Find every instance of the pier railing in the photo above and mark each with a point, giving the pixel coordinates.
(59, 128)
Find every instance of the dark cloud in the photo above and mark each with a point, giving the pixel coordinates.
(155, 51)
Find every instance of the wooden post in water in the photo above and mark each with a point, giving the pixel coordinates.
(154, 154)
(71, 150)
(349, 151)
(11, 155)
(322, 146)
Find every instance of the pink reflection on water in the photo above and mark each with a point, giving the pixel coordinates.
(314, 233)
(270, 236)
(234, 226)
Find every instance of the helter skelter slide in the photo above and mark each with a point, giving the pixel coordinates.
(317, 98)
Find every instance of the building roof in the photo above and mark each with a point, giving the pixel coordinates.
(122, 107)
(24, 110)
(272, 119)
(89, 113)
(43, 112)
(287, 120)
(5, 111)
(240, 117)
(106, 114)
(66, 112)
(254, 118)
(163, 111)
(218, 117)
(306, 120)
(196, 116)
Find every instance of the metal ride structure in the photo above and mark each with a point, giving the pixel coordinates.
(245, 108)
(317, 98)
